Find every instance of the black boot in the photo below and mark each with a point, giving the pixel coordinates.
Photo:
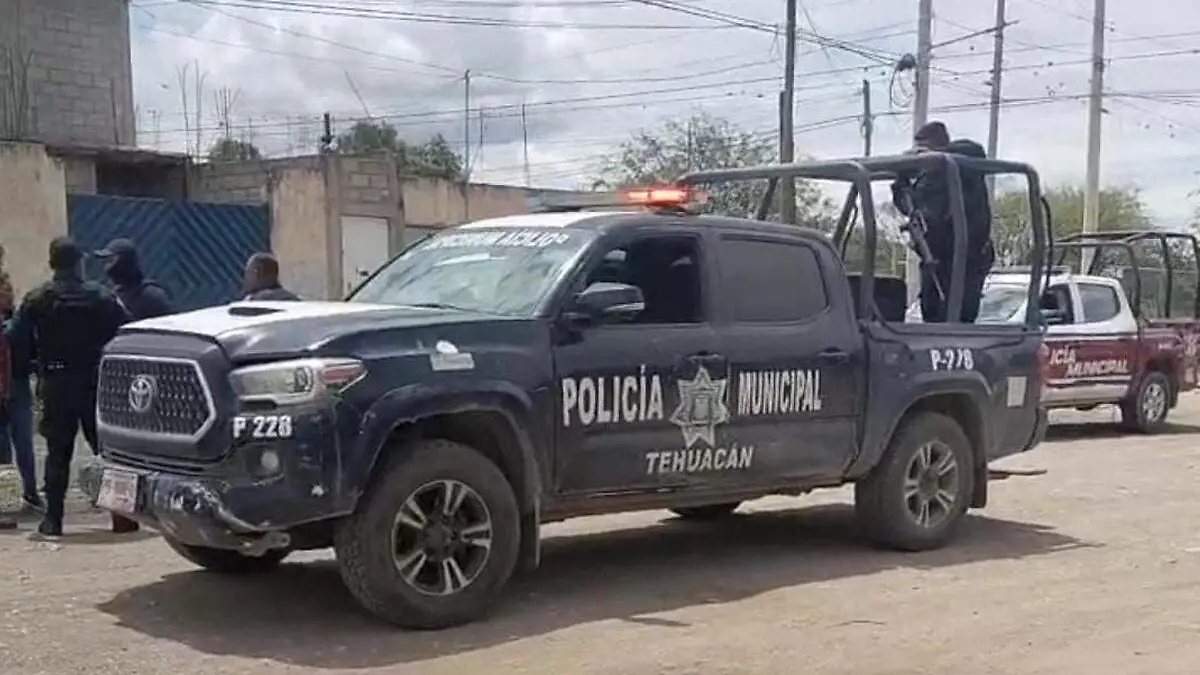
(50, 527)
(122, 525)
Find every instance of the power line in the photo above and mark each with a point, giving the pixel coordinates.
(311, 8)
(431, 115)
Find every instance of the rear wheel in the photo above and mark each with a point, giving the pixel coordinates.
(1146, 411)
(435, 540)
(707, 512)
(224, 561)
(916, 498)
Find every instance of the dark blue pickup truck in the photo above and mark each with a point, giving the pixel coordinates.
(526, 369)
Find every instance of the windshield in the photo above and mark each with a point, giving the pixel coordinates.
(1001, 303)
(489, 270)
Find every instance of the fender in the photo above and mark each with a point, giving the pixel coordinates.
(877, 435)
(414, 402)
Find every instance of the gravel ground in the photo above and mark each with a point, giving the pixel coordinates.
(1093, 568)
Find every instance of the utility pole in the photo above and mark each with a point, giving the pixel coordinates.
(912, 267)
(787, 102)
(466, 124)
(993, 140)
(868, 121)
(1091, 196)
(525, 143)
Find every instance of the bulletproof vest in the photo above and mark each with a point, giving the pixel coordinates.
(75, 322)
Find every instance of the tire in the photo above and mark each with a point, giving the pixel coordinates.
(1146, 411)
(396, 571)
(890, 519)
(707, 512)
(227, 562)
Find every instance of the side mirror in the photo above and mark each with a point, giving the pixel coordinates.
(606, 300)
(1054, 317)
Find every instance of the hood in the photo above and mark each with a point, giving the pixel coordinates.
(262, 329)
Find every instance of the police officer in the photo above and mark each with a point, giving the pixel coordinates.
(928, 192)
(143, 298)
(261, 280)
(67, 321)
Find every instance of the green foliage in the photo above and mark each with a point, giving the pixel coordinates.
(1121, 208)
(706, 142)
(432, 159)
(233, 150)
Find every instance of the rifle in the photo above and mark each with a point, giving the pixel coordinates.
(916, 229)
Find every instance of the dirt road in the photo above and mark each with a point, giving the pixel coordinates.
(1093, 567)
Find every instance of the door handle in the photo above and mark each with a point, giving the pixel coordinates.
(833, 356)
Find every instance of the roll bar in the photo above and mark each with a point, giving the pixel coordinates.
(861, 172)
(1124, 240)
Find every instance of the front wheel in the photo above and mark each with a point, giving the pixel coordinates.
(435, 540)
(1146, 411)
(224, 561)
(916, 498)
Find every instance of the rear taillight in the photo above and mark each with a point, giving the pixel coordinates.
(1044, 363)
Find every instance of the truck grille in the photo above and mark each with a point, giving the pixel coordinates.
(154, 396)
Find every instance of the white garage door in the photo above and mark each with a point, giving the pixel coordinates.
(364, 248)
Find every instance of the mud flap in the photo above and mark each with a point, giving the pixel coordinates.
(530, 556)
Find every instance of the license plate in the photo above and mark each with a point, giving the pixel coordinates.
(118, 492)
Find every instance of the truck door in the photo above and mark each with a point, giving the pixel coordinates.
(796, 356)
(1092, 358)
(633, 398)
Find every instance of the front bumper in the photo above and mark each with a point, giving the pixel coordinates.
(234, 504)
(213, 512)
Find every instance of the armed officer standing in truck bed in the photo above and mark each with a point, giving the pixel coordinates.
(67, 321)
(929, 194)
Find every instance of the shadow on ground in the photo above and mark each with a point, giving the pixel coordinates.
(302, 615)
(1074, 431)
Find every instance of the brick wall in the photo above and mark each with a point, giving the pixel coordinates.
(75, 58)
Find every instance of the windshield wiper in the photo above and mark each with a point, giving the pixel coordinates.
(438, 305)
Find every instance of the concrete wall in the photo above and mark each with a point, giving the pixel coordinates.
(74, 78)
(308, 239)
(33, 192)
(300, 230)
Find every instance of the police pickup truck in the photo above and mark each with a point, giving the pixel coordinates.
(1120, 333)
(526, 369)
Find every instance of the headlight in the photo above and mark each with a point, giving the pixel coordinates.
(297, 381)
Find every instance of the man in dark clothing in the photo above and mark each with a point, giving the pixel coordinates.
(262, 279)
(66, 322)
(143, 298)
(928, 193)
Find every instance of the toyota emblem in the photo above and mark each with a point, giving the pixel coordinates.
(141, 393)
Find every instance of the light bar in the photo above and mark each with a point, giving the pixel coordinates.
(665, 197)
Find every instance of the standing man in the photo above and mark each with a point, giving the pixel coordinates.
(261, 280)
(142, 298)
(928, 193)
(66, 321)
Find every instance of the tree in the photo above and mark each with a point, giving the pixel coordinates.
(1121, 208)
(233, 150)
(707, 142)
(432, 159)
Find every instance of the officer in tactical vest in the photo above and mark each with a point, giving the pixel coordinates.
(67, 321)
(927, 194)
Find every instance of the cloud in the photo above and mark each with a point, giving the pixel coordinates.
(585, 88)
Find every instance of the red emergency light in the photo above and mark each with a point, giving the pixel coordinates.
(662, 197)
(666, 197)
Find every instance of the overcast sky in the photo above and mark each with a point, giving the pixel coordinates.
(591, 72)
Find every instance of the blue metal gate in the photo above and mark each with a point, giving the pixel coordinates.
(197, 251)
